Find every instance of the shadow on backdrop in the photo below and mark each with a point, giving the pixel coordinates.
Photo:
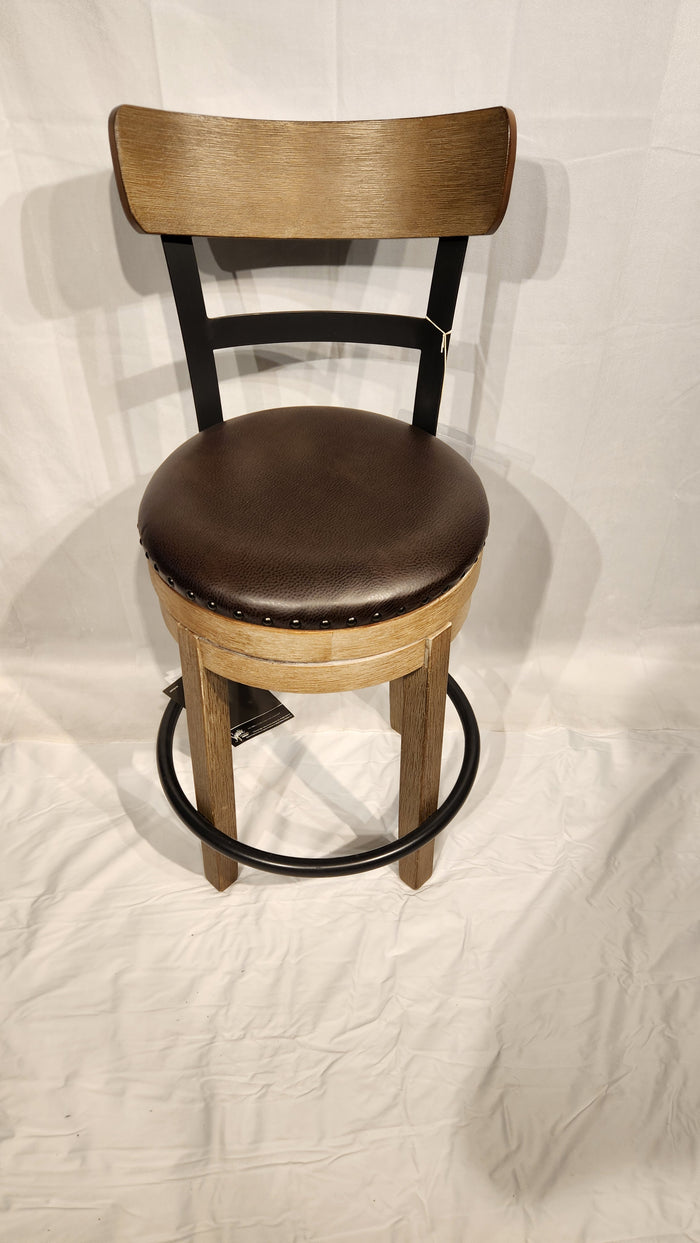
(93, 281)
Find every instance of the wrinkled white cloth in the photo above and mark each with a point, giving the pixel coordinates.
(510, 1054)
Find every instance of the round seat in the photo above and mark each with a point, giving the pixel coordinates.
(313, 518)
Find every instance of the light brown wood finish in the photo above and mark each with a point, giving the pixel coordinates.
(300, 677)
(422, 723)
(396, 704)
(317, 646)
(434, 176)
(209, 729)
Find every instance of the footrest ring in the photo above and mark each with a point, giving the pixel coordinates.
(341, 865)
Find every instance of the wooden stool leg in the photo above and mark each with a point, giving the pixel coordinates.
(396, 704)
(209, 728)
(422, 723)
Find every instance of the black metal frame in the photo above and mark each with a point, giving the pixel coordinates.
(341, 865)
(202, 335)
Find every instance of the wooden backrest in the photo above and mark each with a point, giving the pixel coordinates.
(435, 176)
(444, 176)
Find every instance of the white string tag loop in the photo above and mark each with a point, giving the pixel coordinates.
(444, 333)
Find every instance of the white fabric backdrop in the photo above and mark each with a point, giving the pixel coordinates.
(573, 371)
(509, 1056)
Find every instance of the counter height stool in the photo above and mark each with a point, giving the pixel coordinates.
(314, 548)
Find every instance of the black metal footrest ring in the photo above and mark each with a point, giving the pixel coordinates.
(341, 865)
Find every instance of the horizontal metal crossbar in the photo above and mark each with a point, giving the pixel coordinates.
(203, 335)
(342, 865)
(363, 327)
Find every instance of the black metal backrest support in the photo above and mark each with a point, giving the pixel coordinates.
(203, 335)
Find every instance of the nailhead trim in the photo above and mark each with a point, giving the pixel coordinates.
(295, 623)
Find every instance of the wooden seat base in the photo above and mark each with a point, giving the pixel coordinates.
(410, 652)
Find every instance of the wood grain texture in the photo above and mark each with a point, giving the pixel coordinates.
(396, 704)
(316, 646)
(309, 678)
(434, 176)
(461, 612)
(422, 723)
(209, 729)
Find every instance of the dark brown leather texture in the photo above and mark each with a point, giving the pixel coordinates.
(313, 517)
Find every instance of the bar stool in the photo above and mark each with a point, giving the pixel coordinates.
(314, 548)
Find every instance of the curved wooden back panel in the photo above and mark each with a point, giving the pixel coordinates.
(436, 176)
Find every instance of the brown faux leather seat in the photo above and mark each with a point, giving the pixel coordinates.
(313, 517)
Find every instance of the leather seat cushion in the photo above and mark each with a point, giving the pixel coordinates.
(313, 517)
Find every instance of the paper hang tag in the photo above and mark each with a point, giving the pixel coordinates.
(252, 710)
